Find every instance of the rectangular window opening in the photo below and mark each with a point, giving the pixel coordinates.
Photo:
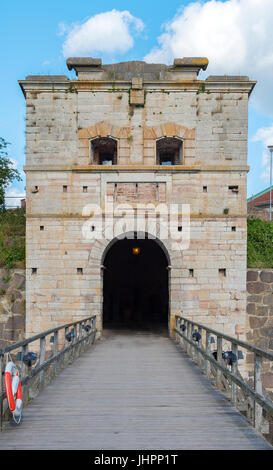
(222, 272)
(79, 271)
(33, 270)
(65, 189)
(191, 272)
(234, 189)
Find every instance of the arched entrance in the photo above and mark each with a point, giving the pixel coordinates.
(135, 284)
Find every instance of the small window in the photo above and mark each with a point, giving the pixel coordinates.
(191, 272)
(179, 228)
(84, 189)
(233, 229)
(234, 189)
(79, 271)
(222, 272)
(205, 189)
(42, 227)
(33, 270)
(104, 151)
(169, 151)
(65, 189)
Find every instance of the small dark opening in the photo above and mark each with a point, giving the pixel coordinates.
(104, 151)
(42, 227)
(233, 229)
(135, 285)
(205, 189)
(65, 189)
(79, 270)
(169, 151)
(191, 272)
(234, 189)
(33, 270)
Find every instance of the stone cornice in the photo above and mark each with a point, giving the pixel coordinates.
(117, 86)
(136, 168)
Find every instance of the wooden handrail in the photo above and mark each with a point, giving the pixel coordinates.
(256, 394)
(83, 331)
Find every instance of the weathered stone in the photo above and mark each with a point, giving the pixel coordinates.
(251, 309)
(268, 299)
(18, 281)
(256, 287)
(18, 307)
(268, 380)
(262, 310)
(252, 275)
(266, 276)
(267, 331)
(254, 298)
(13, 294)
(256, 322)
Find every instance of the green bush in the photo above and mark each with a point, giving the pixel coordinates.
(259, 243)
(12, 237)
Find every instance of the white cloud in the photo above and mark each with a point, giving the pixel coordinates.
(235, 35)
(109, 32)
(265, 136)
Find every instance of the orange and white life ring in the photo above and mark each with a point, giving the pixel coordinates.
(13, 391)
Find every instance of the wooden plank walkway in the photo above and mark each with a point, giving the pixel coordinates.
(132, 391)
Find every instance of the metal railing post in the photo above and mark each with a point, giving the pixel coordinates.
(42, 359)
(55, 350)
(258, 385)
(199, 354)
(208, 351)
(220, 360)
(234, 368)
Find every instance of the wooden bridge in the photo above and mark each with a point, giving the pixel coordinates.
(130, 390)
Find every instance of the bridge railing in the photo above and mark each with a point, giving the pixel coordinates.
(41, 357)
(222, 366)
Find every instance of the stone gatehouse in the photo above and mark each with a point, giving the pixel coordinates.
(135, 133)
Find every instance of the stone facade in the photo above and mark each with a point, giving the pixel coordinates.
(136, 104)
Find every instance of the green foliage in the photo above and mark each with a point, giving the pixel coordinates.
(7, 172)
(259, 243)
(12, 237)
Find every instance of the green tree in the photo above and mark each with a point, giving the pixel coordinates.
(7, 172)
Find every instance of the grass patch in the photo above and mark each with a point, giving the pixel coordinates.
(259, 243)
(12, 238)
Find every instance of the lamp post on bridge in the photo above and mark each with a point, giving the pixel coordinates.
(270, 147)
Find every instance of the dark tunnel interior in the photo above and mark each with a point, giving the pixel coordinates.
(135, 285)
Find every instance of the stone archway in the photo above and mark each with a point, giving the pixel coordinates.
(95, 273)
(135, 285)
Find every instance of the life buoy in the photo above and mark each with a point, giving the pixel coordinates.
(13, 391)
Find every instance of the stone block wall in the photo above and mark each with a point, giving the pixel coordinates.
(12, 306)
(260, 315)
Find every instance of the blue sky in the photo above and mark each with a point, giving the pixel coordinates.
(36, 37)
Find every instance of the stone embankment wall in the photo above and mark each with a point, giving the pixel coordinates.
(12, 306)
(260, 315)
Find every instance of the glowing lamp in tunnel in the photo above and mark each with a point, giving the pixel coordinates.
(136, 250)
